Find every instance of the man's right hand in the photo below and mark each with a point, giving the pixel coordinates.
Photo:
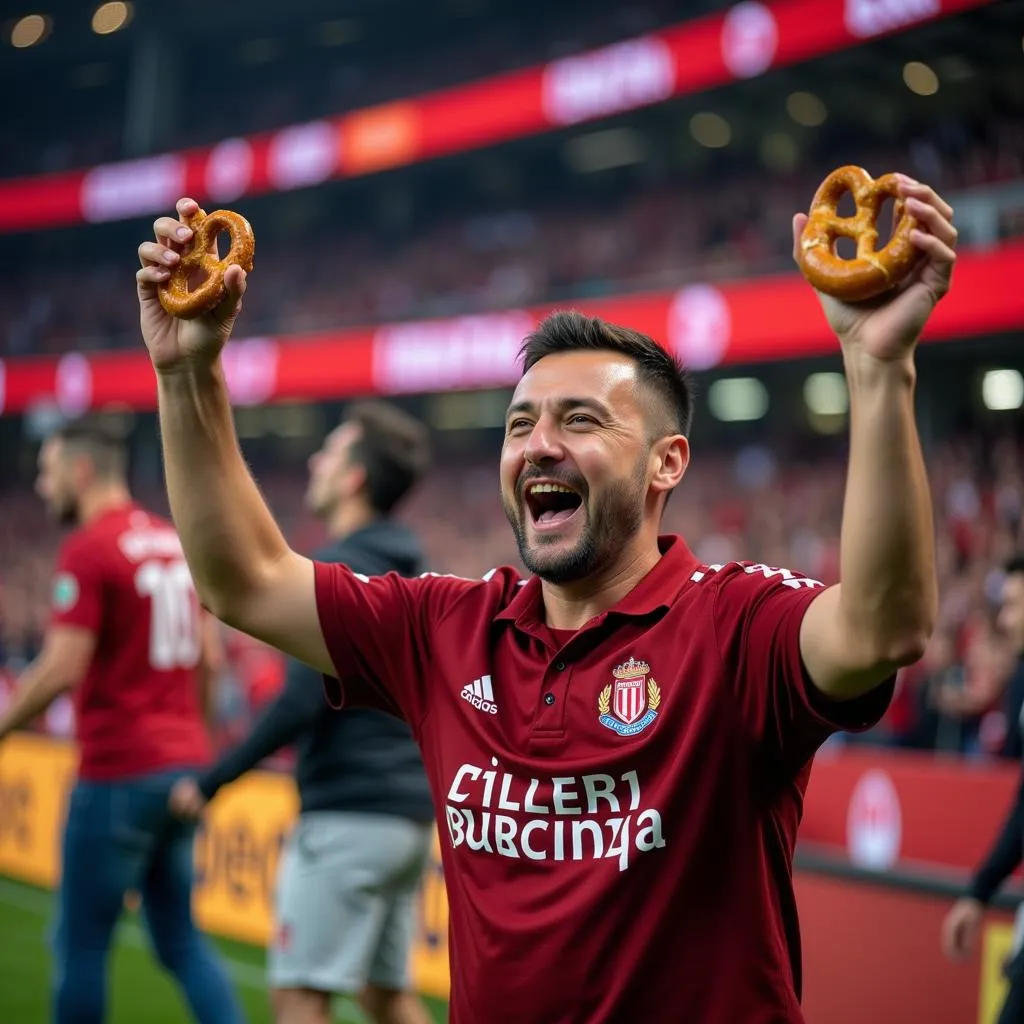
(960, 928)
(174, 343)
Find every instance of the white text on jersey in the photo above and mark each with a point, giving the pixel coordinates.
(480, 693)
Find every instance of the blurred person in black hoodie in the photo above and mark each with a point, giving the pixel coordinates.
(348, 878)
(963, 922)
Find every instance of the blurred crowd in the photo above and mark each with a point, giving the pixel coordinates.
(444, 243)
(758, 504)
(327, 70)
(576, 243)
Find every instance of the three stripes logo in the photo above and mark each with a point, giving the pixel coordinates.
(480, 694)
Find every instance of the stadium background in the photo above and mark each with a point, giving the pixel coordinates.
(425, 181)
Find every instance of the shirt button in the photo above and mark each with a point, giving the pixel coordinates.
(549, 698)
(560, 665)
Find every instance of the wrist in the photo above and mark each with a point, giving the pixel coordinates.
(187, 373)
(864, 370)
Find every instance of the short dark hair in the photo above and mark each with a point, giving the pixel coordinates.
(571, 331)
(1015, 565)
(104, 446)
(392, 447)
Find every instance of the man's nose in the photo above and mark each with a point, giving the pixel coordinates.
(544, 444)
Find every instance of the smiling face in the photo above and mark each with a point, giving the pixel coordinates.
(580, 475)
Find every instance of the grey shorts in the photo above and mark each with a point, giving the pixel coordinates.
(346, 902)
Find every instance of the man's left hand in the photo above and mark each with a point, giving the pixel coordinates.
(187, 801)
(888, 327)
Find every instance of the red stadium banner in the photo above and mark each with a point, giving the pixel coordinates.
(748, 40)
(872, 953)
(885, 808)
(750, 321)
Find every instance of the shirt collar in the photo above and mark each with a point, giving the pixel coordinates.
(656, 591)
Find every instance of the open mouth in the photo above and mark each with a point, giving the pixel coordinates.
(551, 504)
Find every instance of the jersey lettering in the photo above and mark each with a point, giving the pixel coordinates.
(174, 618)
(785, 576)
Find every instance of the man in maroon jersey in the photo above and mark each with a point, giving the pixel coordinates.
(127, 637)
(618, 745)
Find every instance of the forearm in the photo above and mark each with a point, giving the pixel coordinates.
(282, 722)
(228, 534)
(889, 591)
(1005, 855)
(36, 691)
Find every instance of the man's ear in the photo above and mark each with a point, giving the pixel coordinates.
(355, 478)
(672, 456)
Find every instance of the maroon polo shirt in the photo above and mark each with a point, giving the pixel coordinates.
(618, 806)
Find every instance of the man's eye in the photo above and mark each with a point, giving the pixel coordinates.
(580, 418)
(518, 425)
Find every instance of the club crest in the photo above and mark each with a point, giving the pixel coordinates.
(631, 703)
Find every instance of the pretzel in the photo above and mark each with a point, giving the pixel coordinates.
(174, 293)
(872, 272)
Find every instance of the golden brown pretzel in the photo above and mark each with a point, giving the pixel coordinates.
(175, 295)
(872, 272)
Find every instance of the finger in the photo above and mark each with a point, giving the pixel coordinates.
(799, 222)
(933, 247)
(186, 207)
(234, 288)
(235, 280)
(151, 276)
(909, 188)
(154, 252)
(171, 232)
(933, 219)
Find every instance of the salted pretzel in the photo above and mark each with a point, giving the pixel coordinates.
(174, 293)
(873, 271)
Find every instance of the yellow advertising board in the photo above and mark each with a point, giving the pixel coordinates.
(995, 948)
(237, 849)
(36, 775)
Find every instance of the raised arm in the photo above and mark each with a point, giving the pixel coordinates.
(244, 571)
(882, 613)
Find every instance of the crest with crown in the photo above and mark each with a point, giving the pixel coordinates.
(631, 669)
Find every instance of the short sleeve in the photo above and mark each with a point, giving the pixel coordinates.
(373, 627)
(76, 592)
(758, 611)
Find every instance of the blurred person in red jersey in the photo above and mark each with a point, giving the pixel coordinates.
(617, 744)
(963, 922)
(128, 639)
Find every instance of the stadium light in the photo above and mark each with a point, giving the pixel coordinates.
(1002, 390)
(338, 32)
(779, 152)
(710, 130)
(737, 399)
(258, 51)
(920, 78)
(600, 151)
(826, 394)
(110, 17)
(30, 30)
(805, 108)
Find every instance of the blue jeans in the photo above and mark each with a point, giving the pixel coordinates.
(120, 836)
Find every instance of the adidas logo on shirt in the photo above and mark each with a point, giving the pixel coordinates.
(480, 694)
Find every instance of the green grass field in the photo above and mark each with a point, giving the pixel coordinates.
(139, 989)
